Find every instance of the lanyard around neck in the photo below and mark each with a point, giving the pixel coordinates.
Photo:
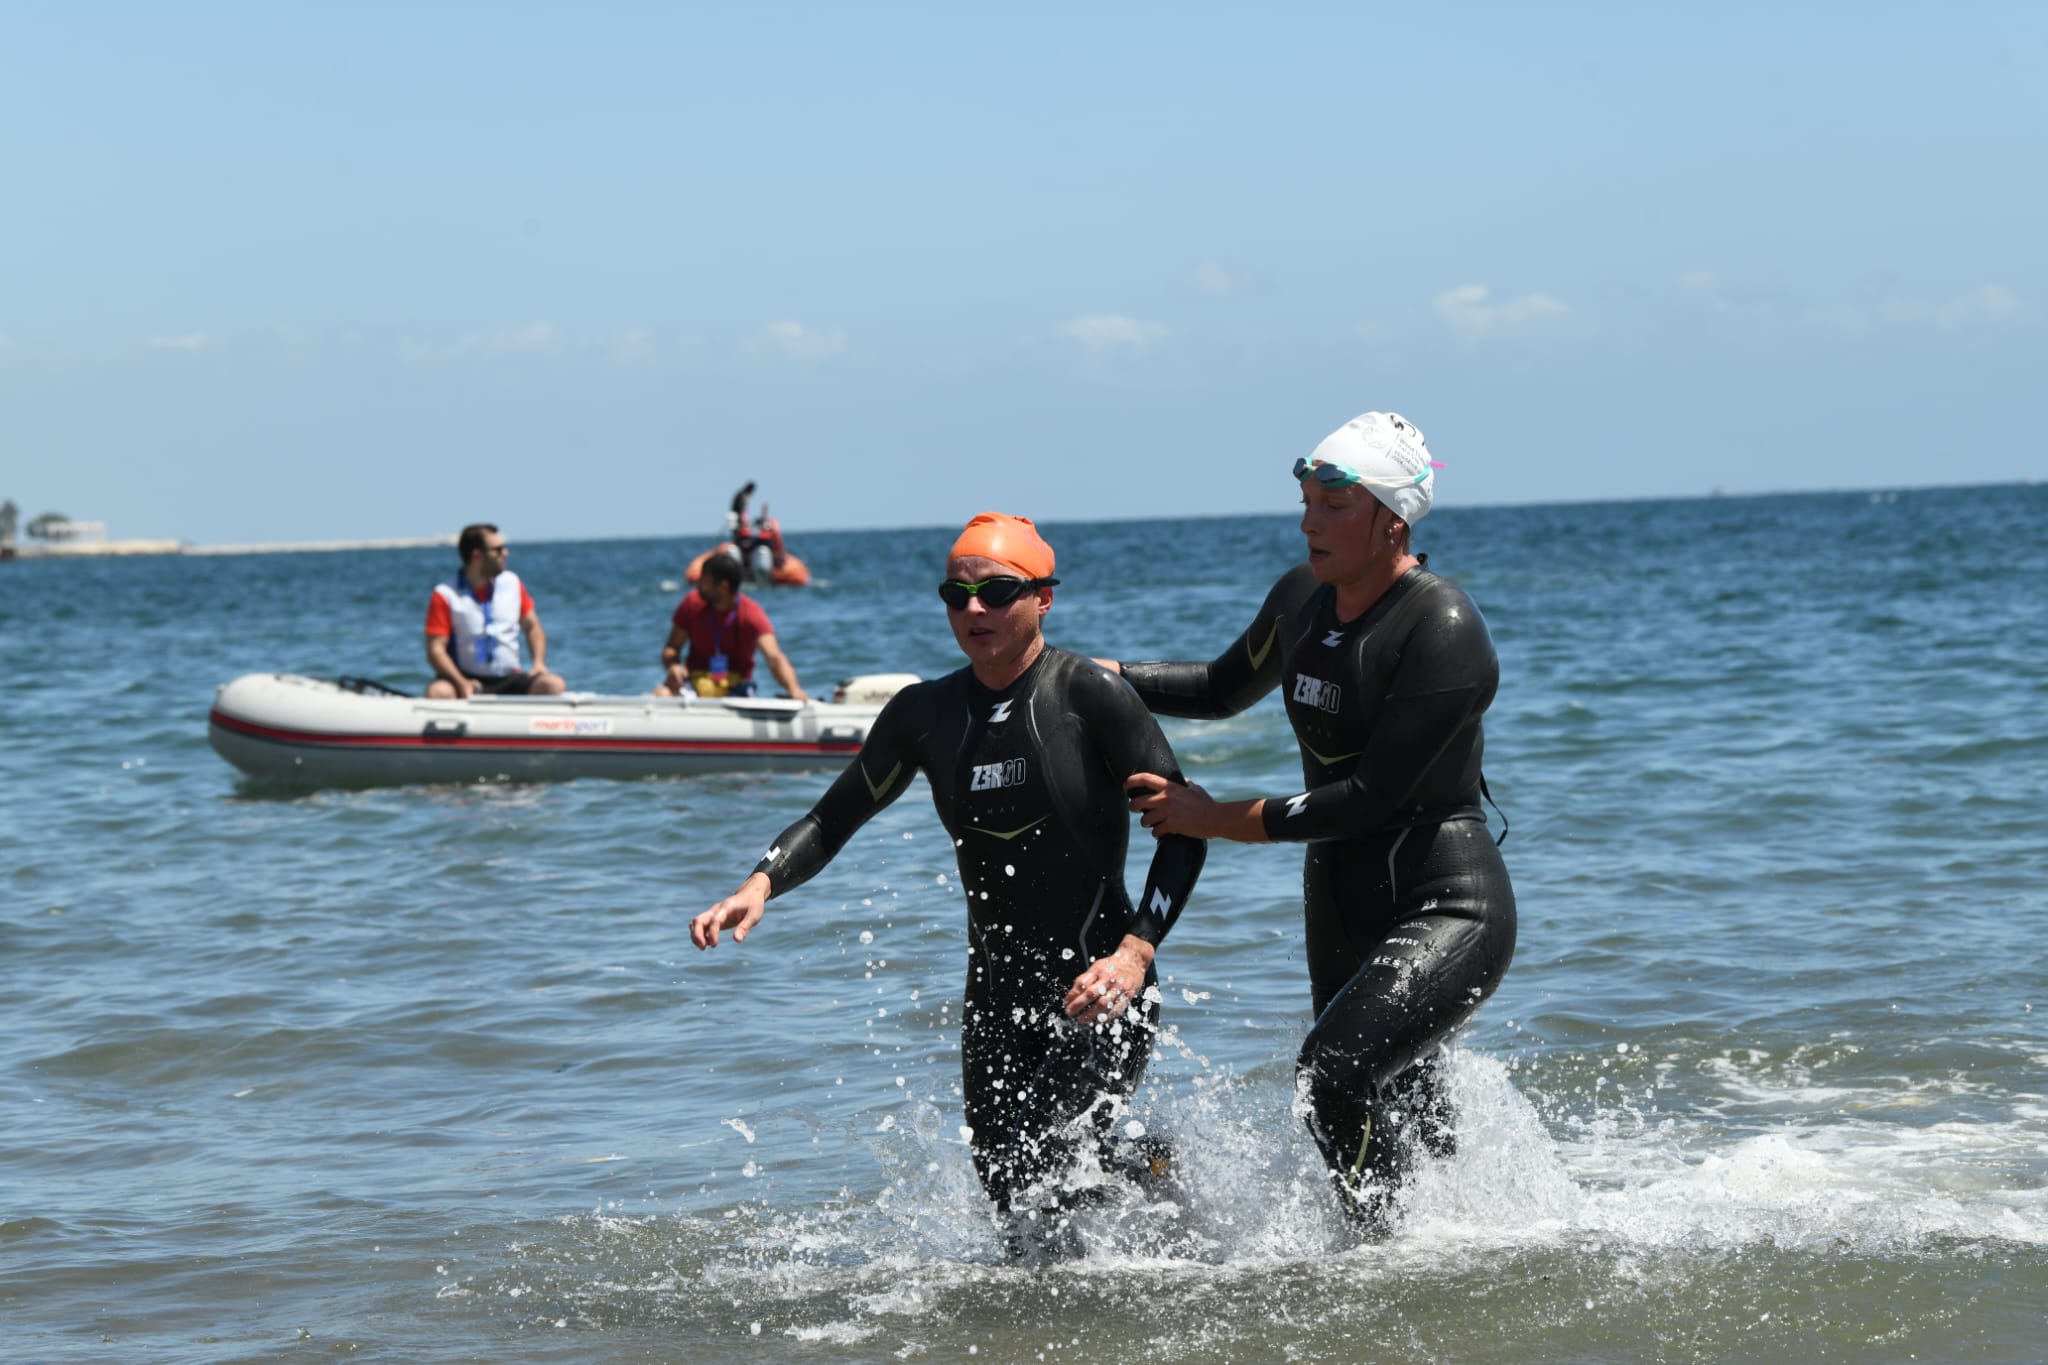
(483, 606)
(720, 631)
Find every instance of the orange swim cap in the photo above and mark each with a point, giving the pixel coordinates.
(1012, 542)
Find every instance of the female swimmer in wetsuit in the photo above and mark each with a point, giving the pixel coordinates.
(1028, 751)
(1410, 916)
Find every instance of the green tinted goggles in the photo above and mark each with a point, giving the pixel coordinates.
(995, 592)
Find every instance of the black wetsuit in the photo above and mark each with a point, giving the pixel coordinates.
(1030, 782)
(1410, 916)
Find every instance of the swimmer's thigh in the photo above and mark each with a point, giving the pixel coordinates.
(1423, 926)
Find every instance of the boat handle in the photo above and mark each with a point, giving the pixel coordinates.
(446, 729)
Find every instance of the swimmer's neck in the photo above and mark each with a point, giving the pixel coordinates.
(997, 674)
(1355, 598)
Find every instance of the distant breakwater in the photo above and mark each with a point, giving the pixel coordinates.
(102, 548)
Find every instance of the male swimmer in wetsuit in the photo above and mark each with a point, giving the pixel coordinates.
(1410, 916)
(1028, 751)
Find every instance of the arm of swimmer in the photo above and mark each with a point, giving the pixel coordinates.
(801, 851)
(1234, 679)
(1167, 808)
(1130, 741)
(1411, 733)
(1132, 746)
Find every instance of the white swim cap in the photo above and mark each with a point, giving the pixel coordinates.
(1385, 452)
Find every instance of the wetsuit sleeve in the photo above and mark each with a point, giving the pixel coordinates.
(1237, 677)
(1131, 743)
(881, 772)
(1445, 681)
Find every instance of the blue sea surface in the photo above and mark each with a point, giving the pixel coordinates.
(432, 1073)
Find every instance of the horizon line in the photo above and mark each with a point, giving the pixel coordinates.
(444, 538)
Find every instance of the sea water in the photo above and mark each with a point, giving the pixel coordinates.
(433, 1074)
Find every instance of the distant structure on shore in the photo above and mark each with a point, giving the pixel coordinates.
(55, 536)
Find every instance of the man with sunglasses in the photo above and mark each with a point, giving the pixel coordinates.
(1410, 918)
(475, 622)
(1028, 750)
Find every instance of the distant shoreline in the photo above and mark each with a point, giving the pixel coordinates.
(105, 548)
(176, 547)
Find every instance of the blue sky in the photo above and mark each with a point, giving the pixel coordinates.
(307, 272)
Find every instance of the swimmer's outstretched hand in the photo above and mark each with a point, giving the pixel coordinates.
(1111, 984)
(1168, 807)
(739, 912)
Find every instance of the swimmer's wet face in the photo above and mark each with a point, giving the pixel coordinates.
(1346, 528)
(993, 634)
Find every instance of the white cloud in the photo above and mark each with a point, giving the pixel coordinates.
(1108, 331)
(635, 346)
(192, 341)
(1986, 307)
(627, 348)
(1703, 286)
(798, 342)
(1220, 281)
(1875, 309)
(525, 339)
(1753, 302)
(532, 336)
(1472, 312)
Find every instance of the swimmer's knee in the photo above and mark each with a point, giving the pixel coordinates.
(1325, 1062)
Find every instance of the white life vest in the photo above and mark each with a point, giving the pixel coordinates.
(486, 639)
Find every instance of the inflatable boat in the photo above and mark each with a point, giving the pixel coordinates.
(310, 731)
(763, 559)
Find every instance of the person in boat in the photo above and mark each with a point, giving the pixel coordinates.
(1410, 917)
(713, 637)
(758, 547)
(476, 620)
(1027, 750)
(736, 520)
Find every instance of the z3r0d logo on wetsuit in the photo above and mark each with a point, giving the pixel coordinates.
(989, 776)
(1324, 696)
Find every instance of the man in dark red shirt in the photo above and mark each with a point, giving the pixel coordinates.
(713, 636)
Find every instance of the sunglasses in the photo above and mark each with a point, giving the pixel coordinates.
(993, 592)
(1330, 474)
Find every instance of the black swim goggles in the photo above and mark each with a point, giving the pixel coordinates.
(994, 593)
